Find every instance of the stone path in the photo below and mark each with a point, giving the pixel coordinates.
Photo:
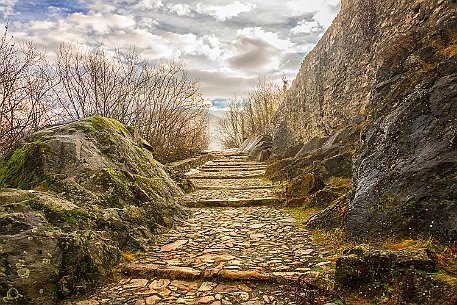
(236, 248)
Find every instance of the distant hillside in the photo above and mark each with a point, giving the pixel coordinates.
(214, 119)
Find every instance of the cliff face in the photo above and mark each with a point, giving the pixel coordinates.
(368, 41)
(390, 67)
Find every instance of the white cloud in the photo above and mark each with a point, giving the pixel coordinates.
(324, 17)
(100, 23)
(306, 27)
(225, 12)
(323, 10)
(7, 7)
(41, 25)
(270, 37)
(180, 9)
(310, 6)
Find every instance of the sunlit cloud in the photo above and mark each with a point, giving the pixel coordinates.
(225, 12)
(226, 44)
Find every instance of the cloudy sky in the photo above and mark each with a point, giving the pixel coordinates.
(226, 44)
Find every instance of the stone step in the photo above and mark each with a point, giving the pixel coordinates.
(268, 201)
(232, 161)
(233, 166)
(235, 187)
(228, 175)
(230, 169)
(232, 183)
(230, 194)
(223, 275)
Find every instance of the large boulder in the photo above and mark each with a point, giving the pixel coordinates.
(257, 147)
(90, 190)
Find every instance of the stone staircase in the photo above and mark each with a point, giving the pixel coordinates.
(231, 180)
(238, 247)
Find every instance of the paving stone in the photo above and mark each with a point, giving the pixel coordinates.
(228, 253)
(174, 246)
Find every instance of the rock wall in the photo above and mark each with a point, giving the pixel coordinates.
(390, 67)
(367, 42)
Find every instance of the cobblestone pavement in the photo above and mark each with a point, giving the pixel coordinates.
(225, 253)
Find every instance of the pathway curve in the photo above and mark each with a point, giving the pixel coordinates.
(238, 247)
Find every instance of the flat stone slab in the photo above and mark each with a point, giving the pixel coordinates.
(229, 175)
(240, 184)
(267, 201)
(228, 163)
(231, 194)
(231, 169)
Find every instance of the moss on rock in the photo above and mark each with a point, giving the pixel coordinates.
(24, 168)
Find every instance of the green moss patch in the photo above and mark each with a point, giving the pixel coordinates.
(24, 168)
(122, 186)
(102, 124)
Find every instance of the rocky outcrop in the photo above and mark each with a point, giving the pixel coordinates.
(409, 276)
(389, 67)
(320, 172)
(258, 147)
(91, 193)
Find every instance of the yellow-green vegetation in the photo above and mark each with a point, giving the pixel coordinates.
(12, 295)
(302, 214)
(102, 123)
(122, 185)
(385, 202)
(23, 169)
(146, 156)
(410, 202)
(334, 239)
(55, 213)
(132, 256)
(340, 182)
(11, 218)
(445, 255)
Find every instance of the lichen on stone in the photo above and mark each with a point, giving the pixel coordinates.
(23, 273)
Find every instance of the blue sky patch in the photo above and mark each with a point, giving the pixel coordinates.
(43, 9)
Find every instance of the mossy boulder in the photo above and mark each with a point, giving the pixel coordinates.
(74, 196)
(303, 186)
(407, 276)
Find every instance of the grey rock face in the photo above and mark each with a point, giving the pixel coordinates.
(405, 178)
(389, 67)
(258, 148)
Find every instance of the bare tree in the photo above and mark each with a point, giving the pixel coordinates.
(24, 88)
(160, 101)
(253, 115)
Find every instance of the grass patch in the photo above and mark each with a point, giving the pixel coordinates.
(302, 214)
(132, 256)
(340, 182)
